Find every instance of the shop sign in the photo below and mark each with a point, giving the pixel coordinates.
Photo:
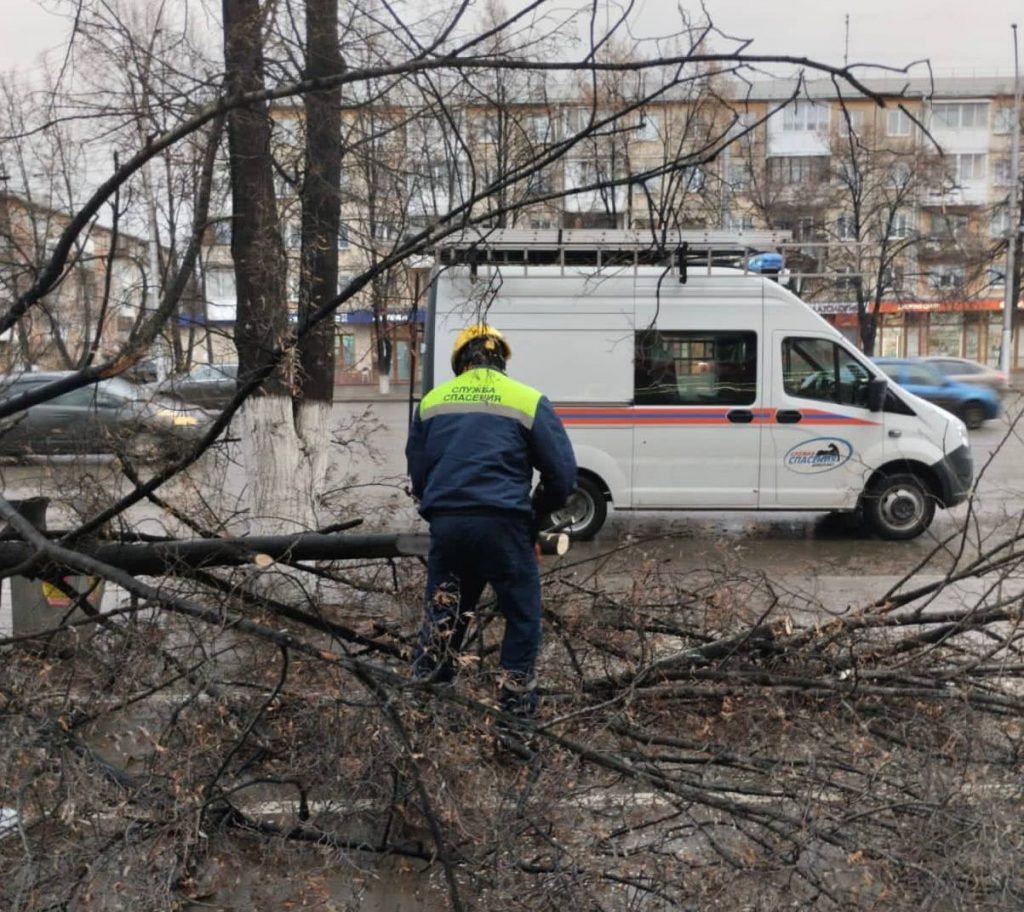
(833, 307)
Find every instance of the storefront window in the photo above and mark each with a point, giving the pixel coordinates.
(402, 360)
(892, 339)
(346, 351)
(995, 339)
(944, 334)
(913, 333)
(972, 337)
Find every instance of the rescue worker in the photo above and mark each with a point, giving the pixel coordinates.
(472, 449)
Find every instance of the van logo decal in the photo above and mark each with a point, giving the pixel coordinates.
(819, 454)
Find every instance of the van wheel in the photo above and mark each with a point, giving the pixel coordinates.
(898, 507)
(585, 511)
(973, 415)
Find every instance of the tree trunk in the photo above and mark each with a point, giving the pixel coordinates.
(321, 223)
(270, 448)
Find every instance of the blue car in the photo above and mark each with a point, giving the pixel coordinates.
(971, 404)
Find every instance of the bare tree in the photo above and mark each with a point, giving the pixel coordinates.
(712, 737)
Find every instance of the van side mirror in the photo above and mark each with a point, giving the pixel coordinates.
(877, 387)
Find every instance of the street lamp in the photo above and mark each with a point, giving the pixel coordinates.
(1009, 304)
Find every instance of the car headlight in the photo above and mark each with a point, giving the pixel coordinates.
(178, 419)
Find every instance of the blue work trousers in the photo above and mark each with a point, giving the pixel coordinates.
(468, 551)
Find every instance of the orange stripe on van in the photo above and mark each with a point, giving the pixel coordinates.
(647, 415)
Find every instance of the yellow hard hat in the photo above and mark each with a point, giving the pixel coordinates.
(478, 331)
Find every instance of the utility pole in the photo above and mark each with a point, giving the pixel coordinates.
(1009, 304)
(846, 44)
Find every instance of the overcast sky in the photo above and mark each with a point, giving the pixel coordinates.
(972, 37)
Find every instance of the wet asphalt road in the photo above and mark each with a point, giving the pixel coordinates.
(819, 556)
(816, 554)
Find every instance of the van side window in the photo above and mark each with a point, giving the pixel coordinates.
(703, 367)
(821, 369)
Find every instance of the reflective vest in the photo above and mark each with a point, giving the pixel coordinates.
(476, 440)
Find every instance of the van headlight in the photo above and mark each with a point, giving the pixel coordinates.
(961, 432)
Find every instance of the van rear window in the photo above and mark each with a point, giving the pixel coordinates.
(700, 367)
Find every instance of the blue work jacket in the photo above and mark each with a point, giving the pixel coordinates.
(475, 441)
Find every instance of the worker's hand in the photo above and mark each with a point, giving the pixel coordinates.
(536, 551)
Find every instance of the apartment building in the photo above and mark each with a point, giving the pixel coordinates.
(98, 301)
(920, 186)
(900, 211)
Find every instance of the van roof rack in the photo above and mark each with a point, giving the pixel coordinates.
(607, 247)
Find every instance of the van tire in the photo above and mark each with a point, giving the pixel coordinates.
(898, 507)
(973, 414)
(586, 511)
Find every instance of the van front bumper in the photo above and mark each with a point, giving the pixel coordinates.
(955, 474)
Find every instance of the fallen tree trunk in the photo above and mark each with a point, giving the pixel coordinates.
(166, 557)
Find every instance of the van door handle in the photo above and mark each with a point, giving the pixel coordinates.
(788, 416)
(740, 416)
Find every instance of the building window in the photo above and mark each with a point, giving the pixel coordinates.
(220, 284)
(962, 116)
(893, 278)
(575, 120)
(996, 276)
(538, 128)
(947, 278)
(648, 127)
(799, 169)
(900, 227)
(846, 281)
(846, 228)
(900, 175)
(737, 222)
(346, 351)
(489, 130)
(220, 229)
(692, 179)
(1001, 172)
(539, 183)
(851, 121)
(343, 240)
(695, 368)
(950, 227)
(741, 123)
(969, 166)
(803, 228)
(804, 116)
(738, 175)
(999, 224)
(897, 123)
(1002, 119)
(383, 231)
(581, 173)
(589, 220)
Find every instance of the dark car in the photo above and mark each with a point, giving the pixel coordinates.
(211, 385)
(972, 404)
(106, 417)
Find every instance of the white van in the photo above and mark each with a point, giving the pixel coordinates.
(688, 387)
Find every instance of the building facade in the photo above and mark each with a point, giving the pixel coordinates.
(898, 211)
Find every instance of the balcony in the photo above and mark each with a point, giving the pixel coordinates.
(974, 193)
